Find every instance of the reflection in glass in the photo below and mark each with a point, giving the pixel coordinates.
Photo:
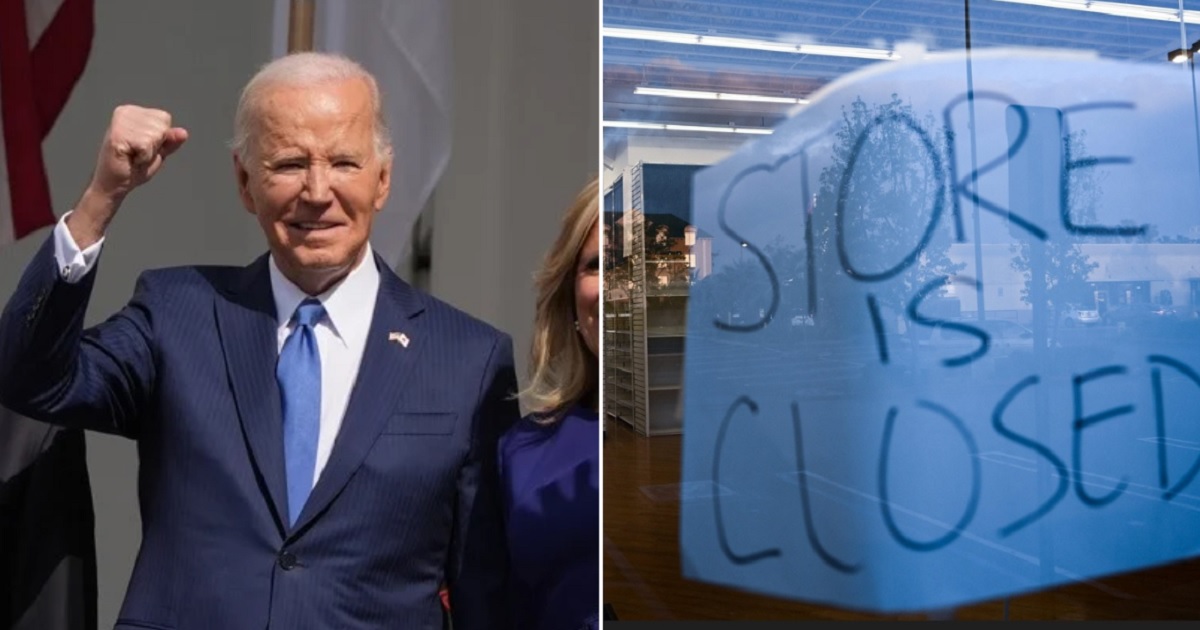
(939, 317)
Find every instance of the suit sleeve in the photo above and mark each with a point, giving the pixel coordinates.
(478, 571)
(53, 370)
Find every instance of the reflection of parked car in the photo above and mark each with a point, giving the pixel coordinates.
(803, 320)
(1074, 315)
(1138, 313)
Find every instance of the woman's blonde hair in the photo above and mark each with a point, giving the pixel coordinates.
(562, 370)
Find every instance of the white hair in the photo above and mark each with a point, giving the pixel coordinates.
(300, 69)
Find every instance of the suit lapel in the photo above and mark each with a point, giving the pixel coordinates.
(385, 364)
(247, 326)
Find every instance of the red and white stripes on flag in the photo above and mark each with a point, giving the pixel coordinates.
(44, 47)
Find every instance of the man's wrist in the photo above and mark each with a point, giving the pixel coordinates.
(89, 221)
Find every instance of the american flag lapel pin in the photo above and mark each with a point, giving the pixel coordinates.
(399, 338)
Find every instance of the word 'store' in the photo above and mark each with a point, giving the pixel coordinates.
(938, 429)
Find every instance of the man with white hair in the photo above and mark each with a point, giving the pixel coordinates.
(317, 438)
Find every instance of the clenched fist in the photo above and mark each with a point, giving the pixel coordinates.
(135, 146)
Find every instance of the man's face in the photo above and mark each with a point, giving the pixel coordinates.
(313, 178)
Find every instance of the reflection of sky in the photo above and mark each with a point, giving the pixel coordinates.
(1161, 186)
(667, 189)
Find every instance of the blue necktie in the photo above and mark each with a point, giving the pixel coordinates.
(299, 375)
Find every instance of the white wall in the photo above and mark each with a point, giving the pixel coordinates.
(526, 120)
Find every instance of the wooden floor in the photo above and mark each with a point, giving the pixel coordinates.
(642, 579)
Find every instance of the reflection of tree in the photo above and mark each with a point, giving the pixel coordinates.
(1178, 239)
(616, 264)
(739, 291)
(789, 264)
(664, 255)
(610, 244)
(1067, 266)
(1149, 233)
(666, 260)
(735, 293)
(888, 200)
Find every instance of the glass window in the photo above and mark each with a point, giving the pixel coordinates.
(980, 215)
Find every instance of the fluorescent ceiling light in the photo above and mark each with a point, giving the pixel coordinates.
(717, 96)
(672, 37)
(633, 124)
(1120, 9)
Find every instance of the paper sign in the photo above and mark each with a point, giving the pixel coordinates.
(949, 350)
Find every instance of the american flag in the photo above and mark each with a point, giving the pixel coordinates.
(44, 47)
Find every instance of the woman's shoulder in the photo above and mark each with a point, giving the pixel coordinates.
(576, 415)
(536, 428)
(554, 421)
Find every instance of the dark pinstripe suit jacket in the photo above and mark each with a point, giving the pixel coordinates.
(409, 497)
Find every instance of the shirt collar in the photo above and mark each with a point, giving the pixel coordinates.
(343, 301)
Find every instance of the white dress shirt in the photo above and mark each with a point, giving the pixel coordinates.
(73, 264)
(341, 334)
(341, 337)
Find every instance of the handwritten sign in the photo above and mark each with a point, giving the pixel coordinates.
(949, 348)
